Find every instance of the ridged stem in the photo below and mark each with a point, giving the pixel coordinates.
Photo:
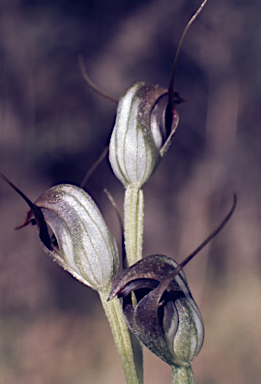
(132, 368)
(182, 375)
(133, 223)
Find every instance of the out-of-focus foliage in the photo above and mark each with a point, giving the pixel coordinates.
(52, 128)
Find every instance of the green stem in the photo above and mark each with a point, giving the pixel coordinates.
(133, 223)
(182, 375)
(133, 369)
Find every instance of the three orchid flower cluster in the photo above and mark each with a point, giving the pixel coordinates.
(147, 302)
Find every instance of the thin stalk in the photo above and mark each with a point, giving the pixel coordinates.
(133, 236)
(182, 375)
(133, 370)
(171, 83)
(133, 223)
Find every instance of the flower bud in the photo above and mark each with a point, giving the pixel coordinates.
(140, 132)
(82, 243)
(166, 318)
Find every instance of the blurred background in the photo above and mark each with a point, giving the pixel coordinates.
(53, 127)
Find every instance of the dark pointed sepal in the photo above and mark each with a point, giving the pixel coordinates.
(166, 318)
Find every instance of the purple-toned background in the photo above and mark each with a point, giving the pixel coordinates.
(53, 127)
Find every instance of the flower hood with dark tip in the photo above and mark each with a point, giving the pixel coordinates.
(81, 241)
(140, 136)
(166, 318)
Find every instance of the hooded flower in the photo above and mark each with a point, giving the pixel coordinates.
(140, 133)
(166, 318)
(81, 241)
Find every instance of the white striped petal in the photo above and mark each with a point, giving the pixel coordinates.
(135, 144)
(86, 248)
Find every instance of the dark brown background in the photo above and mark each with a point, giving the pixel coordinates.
(53, 127)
